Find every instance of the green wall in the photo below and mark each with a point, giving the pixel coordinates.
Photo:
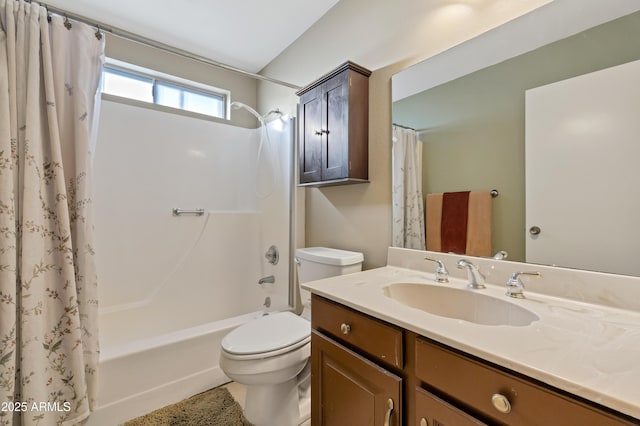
(475, 125)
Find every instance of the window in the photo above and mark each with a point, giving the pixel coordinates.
(127, 85)
(176, 96)
(129, 81)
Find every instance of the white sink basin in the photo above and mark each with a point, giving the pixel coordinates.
(466, 305)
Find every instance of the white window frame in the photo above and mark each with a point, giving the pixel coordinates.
(171, 80)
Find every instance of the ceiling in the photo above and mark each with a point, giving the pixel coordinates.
(246, 34)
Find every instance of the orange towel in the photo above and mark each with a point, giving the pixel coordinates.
(479, 229)
(433, 219)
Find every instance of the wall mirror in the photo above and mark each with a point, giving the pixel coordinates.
(468, 105)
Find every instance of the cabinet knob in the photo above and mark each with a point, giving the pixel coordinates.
(501, 403)
(424, 422)
(325, 131)
(345, 328)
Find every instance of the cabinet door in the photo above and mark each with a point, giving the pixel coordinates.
(310, 151)
(432, 411)
(335, 114)
(347, 389)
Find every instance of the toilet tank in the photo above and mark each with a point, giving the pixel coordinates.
(315, 263)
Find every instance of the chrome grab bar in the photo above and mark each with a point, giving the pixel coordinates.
(177, 212)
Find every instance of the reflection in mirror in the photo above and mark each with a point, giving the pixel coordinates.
(408, 228)
(473, 126)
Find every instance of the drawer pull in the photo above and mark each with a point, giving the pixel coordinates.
(345, 328)
(387, 417)
(501, 403)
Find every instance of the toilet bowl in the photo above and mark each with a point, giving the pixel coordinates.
(270, 355)
(266, 355)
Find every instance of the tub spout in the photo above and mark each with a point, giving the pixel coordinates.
(270, 279)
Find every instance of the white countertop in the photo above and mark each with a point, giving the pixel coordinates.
(587, 349)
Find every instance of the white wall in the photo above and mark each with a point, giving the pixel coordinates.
(385, 37)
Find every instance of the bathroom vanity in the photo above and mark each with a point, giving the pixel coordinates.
(376, 360)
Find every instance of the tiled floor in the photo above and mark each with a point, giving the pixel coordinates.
(238, 392)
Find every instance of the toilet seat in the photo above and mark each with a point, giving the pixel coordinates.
(267, 336)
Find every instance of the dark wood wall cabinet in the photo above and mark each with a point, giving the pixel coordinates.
(365, 371)
(333, 139)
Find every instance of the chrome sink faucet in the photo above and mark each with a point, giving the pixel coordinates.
(476, 278)
(515, 284)
(442, 275)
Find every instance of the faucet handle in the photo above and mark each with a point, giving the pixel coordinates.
(442, 275)
(515, 284)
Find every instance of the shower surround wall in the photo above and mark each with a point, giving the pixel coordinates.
(171, 287)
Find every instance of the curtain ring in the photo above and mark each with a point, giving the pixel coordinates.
(67, 23)
(98, 34)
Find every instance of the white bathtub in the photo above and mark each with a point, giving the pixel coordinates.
(139, 376)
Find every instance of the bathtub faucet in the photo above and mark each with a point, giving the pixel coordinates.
(270, 279)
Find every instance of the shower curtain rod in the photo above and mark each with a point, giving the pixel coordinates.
(161, 46)
(404, 127)
(411, 128)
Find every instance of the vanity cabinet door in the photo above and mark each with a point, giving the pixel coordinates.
(432, 411)
(348, 389)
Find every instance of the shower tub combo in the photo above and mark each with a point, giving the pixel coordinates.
(171, 286)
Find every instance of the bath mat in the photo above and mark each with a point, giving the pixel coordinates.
(215, 407)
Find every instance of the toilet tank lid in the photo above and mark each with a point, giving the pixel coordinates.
(329, 256)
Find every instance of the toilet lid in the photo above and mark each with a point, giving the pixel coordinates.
(267, 334)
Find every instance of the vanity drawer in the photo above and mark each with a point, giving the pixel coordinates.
(431, 410)
(473, 385)
(379, 340)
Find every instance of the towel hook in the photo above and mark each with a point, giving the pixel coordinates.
(494, 193)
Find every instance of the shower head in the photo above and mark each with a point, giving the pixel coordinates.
(237, 105)
(274, 111)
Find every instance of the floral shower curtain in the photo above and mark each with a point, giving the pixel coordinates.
(408, 206)
(49, 76)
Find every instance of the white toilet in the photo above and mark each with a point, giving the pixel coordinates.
(269, 354)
